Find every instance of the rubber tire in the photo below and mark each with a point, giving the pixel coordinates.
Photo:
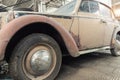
(113, 53)
(16, 70)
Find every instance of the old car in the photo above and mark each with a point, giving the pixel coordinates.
(33, 43)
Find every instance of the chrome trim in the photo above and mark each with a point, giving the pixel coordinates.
(93, 50)
(41, 61)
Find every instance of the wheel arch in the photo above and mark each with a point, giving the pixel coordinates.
(115, 32)
(37, 24)
(27, 30)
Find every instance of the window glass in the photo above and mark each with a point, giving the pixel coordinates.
(94, 8)
(68, 8)
(105, 11)
(89, 6)
(84, 6)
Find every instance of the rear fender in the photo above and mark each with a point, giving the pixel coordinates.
(115, 32)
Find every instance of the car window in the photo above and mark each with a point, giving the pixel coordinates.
(84, 6)
(94, 7)
(89, 6)
(105, 11)
(68, 8)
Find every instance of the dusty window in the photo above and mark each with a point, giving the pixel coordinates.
(84, 6)
(94, 8)
(68, 8)
(89, 6)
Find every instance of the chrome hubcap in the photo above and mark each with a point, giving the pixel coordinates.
(41, 61)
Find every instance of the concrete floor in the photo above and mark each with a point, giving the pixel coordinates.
(94, 66)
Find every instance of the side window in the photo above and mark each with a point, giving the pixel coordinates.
(89, 6)
(105, 11)
(94, 7)
(84, 7)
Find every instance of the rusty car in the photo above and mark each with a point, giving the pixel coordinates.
(33, 43)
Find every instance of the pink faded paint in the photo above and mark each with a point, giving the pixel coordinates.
(12, 27)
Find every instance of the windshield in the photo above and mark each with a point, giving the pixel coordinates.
(67, 9)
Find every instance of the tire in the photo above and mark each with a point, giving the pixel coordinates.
(115, 50)
(36, 57)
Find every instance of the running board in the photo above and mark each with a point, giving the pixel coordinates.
(93, 50)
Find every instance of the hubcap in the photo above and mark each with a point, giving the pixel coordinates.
(41, 61)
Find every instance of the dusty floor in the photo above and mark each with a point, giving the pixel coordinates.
(95, 66)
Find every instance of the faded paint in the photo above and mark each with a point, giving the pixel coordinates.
(12, 27)
(79, 30)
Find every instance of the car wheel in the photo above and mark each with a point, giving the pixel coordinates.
(36, 57)
(115, 51)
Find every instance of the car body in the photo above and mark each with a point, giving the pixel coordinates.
(80, 27)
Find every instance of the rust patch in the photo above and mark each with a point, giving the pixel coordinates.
(76, 38)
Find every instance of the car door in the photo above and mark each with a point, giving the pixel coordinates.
(107, 19)
(90, 30)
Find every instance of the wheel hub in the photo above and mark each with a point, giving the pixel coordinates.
(40, 62)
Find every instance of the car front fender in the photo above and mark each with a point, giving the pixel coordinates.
(9, 30)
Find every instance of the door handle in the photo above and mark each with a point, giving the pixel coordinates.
(103, 21)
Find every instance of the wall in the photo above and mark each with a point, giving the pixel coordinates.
(115, 1)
